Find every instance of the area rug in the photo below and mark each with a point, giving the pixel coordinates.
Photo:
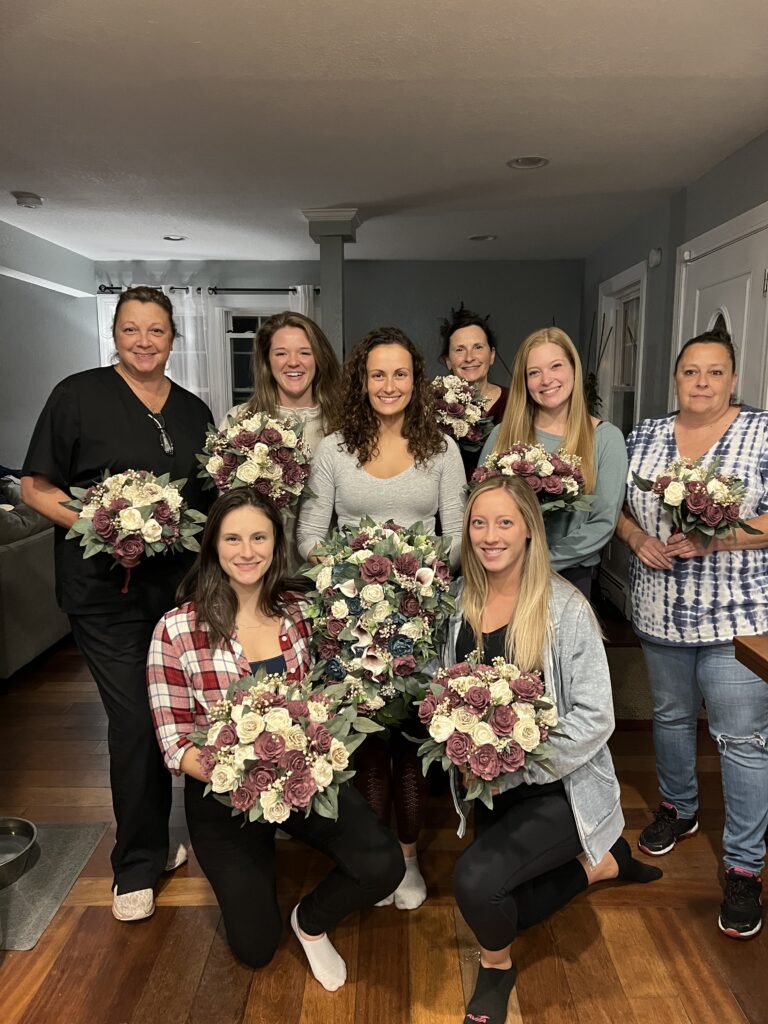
(27, 906)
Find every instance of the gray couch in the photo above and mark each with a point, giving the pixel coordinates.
(30, 619)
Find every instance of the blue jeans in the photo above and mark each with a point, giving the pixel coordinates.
(737, 710)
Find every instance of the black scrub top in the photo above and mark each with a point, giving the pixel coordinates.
(93, 421)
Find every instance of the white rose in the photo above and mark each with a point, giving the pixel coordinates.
(717, 490)
(324, 578)
(348, 588)
(526, 733)
(339, 609)
(500, 692)
(272, 471)
(152, 531)
(464, 720)
(317, 711)
(173, 498)
(289, 438)
(295, 738)
(414, 629)
(274, 806)
(674, 493)
(440, 728)
(240, 756)
(131, 520)
(249, 727)
(472, 414)
(213, 733)
(381, 611)
(322, 773)
(247, 472)
(223, 778)
(214, 464)
(152, 493)
(545, 468)
(548, 717)
(482, 733)
(277, 720)
(524, 710)
(359, 556)
(88, 511)
(338, 756)
(372, 594)
(450, 396)
(460, 428)
(260, 453)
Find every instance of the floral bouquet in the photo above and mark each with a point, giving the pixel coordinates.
(258, 451)
(488, 720)
(554, 476)
(132, 514)
(699, 499)
(378, 610)
(275, 746)
(460, 411)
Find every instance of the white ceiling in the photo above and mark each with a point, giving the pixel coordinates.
(222, 121)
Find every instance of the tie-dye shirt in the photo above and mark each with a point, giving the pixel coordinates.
(715, 597)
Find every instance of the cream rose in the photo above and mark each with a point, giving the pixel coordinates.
(717, 490)
(274, 807)
(440, 728)
(214, 464)
(247, 472)
(545, 468)
(249, 727)
(277, 720)
(500, 692)
(338, 755)
(322, 773)
(414, 629)
(131, 520)
(289, 438)
(372, 593)
(674, 493)
(223, 778)
(318, 712)
(295, 738)
(213, 733)
(463, 719)
(339, 609)
(526, 733)
(173, 498)
(460, 428)
(88, 511)
(524, 710)
(324, 578)
(152, 531)
(240, 756)
(548, 717)
(482, 733)
(381, 611)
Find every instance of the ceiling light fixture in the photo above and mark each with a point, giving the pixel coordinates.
(483, 238)
(29, 200)
(527, 163)
(174, 238)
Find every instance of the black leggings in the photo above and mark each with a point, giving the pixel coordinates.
(389, 772)
(521, 867)
(239, 861)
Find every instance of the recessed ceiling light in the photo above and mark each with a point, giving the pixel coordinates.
(527, 163)
(483, 238)
(174, 238)
(30, 200)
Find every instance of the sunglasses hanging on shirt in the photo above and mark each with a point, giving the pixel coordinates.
(165, 442)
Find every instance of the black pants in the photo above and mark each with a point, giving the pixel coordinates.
(116, 653)
(239, 861)
(581, 577)
(388, 773)
(521, 866)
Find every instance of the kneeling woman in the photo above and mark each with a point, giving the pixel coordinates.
(552, 833)
(235, 616)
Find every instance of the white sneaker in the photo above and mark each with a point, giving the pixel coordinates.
(133, 906)
(176, 858)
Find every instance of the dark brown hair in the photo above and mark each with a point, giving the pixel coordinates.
(144, 294)
(716, 337)
(359, 423)
(206, 584)
(459, 318)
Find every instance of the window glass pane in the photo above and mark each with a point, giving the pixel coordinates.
(626, 361)
(246, 324)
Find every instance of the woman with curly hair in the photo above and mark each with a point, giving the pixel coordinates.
(388, 460)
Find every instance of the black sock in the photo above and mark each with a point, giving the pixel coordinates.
(488, 1004)
(631, 870)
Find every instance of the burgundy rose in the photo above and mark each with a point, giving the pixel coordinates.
(243, 798)
(292, 761)
(484, 762)
(732, 512)
(163, 513)
(552, 484)
(713, 514)
(528, 686)
(334, 627)
(299, 789)
(512, 758)
(376, 569)
(282, 500)
(534, 482)
(560, 467)
(404, 666)
(118, 505)
(327, 648)
(407, 565)
(271, 436)
(661, 484)
(477, 698)
(227, 736)
(245, 439)
(502, 720)
(103, 525)
(274, 700)
(261, 777)
(409, 605)
(523, 468)
(519, 449)
(206, 760)
(282, 456)
(543, 733)
(441, 570)
(292, 473)
(221, 479)
(129, 550)
(358, 543)
(461, 668)
(427, 708)
(230, 461)
(455, 409)
(458, 747)
(482, 473)
(297, 708)
(262, 487)
(268, 746)
(697, 501)
(473, 434)
(320, 737)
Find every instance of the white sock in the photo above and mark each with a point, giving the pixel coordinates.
(325, 963)
(412, 891)
(387, 901)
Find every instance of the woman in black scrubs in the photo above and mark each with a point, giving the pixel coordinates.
(126, 416)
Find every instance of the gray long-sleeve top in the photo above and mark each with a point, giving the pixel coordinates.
(340, 484)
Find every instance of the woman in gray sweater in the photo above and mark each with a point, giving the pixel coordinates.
(551, 833)
(389, 460)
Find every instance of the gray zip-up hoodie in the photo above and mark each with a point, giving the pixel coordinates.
(576, 675)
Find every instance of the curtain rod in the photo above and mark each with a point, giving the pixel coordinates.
(115, 289)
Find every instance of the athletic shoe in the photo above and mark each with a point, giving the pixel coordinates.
(741, 909)
(665, 830)
(133, 906)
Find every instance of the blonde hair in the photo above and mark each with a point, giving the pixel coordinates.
(527, 632)
(519, 416)
(327, 382)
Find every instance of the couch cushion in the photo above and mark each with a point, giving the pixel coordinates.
(21, 521)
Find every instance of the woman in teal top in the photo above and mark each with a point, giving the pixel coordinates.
(546, 405)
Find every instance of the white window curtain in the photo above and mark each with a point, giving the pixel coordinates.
(301, 299)
(188, 365)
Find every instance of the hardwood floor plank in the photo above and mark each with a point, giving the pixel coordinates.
(436, 993)
(222, 994)
(383, 989)
(542, 987)
(469, 961)
(277, 991)
(24, 778)
(319, 1005)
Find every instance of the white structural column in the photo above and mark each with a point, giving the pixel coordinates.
(331, 229)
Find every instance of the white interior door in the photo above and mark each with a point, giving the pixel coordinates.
(728, 287)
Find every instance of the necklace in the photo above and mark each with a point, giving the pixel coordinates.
(156, 399)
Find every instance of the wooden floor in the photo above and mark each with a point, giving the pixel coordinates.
(627, 954)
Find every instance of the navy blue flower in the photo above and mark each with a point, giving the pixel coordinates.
(400, 646)
(355, 606)
(334, 669)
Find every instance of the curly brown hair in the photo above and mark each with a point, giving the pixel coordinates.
(359, 424)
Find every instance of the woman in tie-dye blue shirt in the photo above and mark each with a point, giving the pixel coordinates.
(688, 603)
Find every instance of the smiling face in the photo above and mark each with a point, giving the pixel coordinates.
(245, 546)
(549, 377)
(293, 366)
(469, 354)
(704, 380)
(389, 380)
(497, 532)
(143, 338)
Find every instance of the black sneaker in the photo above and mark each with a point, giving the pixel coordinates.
(664, 831)
(741, 910)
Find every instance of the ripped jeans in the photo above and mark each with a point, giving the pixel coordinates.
(737, 710)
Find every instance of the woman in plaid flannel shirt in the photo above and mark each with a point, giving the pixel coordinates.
(237, 613)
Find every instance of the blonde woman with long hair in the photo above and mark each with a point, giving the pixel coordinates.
(551, 833)
(546, 405)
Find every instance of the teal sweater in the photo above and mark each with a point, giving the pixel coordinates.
(578, 538)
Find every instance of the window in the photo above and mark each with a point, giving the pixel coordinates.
(241, 330)
(620, 346)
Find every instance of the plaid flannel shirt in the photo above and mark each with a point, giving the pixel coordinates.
(185, 675)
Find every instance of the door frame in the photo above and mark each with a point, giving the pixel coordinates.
(735, 230)
(610, 295)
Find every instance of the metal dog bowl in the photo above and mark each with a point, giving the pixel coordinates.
(17, 838)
